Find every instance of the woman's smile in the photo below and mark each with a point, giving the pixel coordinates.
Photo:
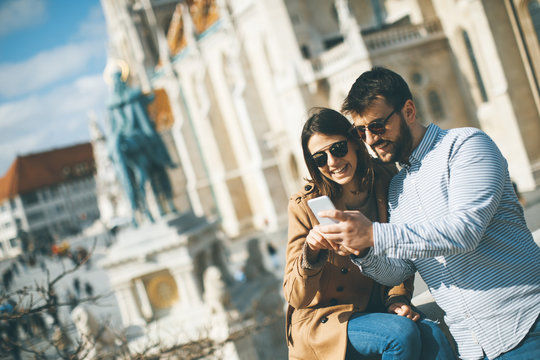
(341, 171)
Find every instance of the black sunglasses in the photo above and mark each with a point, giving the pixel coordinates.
(338, 149)
(375, 127)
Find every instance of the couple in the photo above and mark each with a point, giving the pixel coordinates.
(454, 217)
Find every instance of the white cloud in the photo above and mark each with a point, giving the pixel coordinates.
(19, 14)
(47, 67)
(61, 116)
(88, 46)
(94, 26)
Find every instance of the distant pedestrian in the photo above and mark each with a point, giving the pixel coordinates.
(272, 251)
(77, 286)
(15, 268)
(88, 289)
(22, 261)
(52, 308)
(7, 278)
(39, 324)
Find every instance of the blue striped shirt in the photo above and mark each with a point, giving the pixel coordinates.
(455, 218)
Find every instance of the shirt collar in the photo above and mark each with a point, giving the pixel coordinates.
(425, 145)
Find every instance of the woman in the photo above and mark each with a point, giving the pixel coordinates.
(334, 311)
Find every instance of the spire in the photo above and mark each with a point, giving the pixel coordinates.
(95, 132)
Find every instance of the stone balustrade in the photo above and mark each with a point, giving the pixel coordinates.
(330, 57)
(399, 36)
(403, 35)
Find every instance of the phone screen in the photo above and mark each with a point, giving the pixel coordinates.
(319, 204)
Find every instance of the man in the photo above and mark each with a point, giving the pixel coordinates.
(454, 217)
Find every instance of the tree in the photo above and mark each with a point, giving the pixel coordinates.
(25, 332)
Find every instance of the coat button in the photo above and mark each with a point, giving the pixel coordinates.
(324, 319)
(333, 302)
(339, 288)
(344, 270)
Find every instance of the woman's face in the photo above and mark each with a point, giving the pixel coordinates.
(338, 169)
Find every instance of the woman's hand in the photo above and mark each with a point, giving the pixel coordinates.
(317, 242)
(403, 309)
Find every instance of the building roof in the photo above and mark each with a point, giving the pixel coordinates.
(44, 169)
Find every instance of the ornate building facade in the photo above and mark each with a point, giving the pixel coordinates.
(238, 77)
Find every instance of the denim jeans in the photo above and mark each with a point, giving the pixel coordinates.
(395, 337)
(528, 348)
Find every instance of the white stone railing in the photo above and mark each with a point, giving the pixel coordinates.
(330, 57)
(377, 41)
(402, 35)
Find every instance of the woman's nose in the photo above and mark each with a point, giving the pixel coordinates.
(331, 160)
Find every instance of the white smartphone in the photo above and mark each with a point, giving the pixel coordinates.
(319, 204)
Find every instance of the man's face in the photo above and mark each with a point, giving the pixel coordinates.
(394, 142)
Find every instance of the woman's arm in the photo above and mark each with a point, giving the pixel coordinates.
(304, 264)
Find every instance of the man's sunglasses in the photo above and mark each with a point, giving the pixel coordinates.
(375, 127)
(338, 149)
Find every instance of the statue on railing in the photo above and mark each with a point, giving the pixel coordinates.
(136, 149)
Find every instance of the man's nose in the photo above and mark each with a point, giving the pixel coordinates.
(370, 138)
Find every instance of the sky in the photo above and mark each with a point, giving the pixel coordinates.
(52, 57)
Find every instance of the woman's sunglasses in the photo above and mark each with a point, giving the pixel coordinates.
(338, 149)
(375, 127)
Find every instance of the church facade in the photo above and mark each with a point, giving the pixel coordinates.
(234, 81)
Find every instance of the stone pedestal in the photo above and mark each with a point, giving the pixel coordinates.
(153, 268)
(172, 282)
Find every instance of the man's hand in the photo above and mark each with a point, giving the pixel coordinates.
(353, 234)
(403, 309)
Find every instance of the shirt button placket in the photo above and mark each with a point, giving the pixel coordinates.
(475, 339)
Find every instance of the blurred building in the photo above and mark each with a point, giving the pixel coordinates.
(46, 196)
(236, 79)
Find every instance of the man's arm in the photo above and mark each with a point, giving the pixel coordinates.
(386, 271)
(477, 175)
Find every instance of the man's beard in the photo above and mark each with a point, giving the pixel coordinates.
(403, 143)
(402, 146)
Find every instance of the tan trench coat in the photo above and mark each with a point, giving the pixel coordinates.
(322, 299)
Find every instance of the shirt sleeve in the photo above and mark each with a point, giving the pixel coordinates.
(477, 173)
(384, 270)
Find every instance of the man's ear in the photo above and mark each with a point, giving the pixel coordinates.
(409, 111)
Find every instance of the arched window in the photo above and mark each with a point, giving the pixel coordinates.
(474, 64)
(417, 78)
(534, 11)
(435, 105)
